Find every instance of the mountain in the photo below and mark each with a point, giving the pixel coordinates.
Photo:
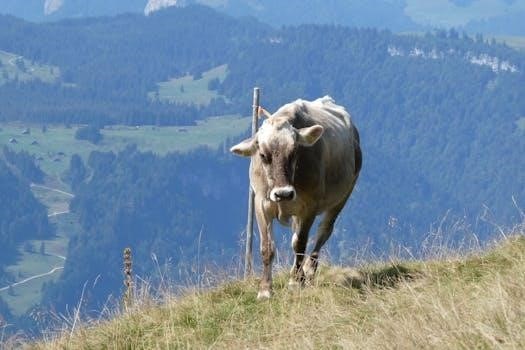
(156, 5)
(45, 10)
(502, 17)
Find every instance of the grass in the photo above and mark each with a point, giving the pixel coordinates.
(14, 67)
(33, 263)
(161, 140)
(469, 302)
(26, 295)
(56, 202)
(23, 296)
(447, 14)
(188, 90)
(30, 264)
(520, 123)
(516, 42)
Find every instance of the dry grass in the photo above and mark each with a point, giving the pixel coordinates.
(476, 302)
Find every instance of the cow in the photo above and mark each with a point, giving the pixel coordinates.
(305, 161)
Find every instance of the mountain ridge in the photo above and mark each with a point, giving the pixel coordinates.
(499, 17)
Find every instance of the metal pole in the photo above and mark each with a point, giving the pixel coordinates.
(248, 258)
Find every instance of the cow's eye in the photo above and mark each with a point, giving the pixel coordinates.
(266, 159)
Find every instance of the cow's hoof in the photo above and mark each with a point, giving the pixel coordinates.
(309, 269)
(264, 295)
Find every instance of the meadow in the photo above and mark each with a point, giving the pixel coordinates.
(458, 13)
(187, 89)
(452, 300)
(14, 67)
(54, 147)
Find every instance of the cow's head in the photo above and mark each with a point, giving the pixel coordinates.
(276, 145)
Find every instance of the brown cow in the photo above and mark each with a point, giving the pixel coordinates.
(305, 160)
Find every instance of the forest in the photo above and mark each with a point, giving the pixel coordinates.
(441, 118)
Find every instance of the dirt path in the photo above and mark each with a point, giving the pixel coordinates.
(52, 271)
(58, 213)
(53, 189)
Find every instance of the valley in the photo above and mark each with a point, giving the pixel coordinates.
(41, 261)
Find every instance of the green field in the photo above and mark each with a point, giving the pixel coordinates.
(31, 262)
(21, 297)
(26, 295)
(189, 90)
(14, 67)
(517, 42)
(54, 148)
(55, 201)
(447, 14)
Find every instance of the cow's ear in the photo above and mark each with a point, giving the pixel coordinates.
(309, 136)
(245, 148)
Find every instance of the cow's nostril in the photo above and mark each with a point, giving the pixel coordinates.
(285, 195)
(282, 194)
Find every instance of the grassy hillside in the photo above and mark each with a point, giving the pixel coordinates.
(41, 261)
(189, 90)
(458, 13)
(517, 42)
(473, 301)
(17, 68)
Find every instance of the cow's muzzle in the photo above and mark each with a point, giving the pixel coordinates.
(286, 193)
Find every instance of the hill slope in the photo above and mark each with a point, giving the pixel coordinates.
(472, 302)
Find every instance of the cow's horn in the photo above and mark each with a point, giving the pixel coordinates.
(264, 112)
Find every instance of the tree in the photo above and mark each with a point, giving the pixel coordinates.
(89, 133)
(28, 247)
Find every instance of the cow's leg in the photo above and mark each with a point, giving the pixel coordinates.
(323, 233)
(300, 227)
(264, 222)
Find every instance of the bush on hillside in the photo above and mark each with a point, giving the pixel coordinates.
(89, 133)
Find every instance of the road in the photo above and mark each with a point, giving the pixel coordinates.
(53, 189)
(52, 271)
(58, 213)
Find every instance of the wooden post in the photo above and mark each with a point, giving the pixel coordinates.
(128, 279)
(248, 258)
